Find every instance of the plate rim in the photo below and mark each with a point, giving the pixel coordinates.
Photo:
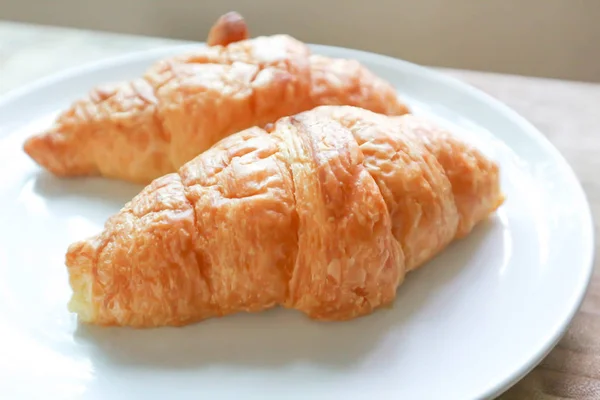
(588, 232)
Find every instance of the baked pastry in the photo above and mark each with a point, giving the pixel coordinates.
(142, 129)
(228, 28)
(325, 212)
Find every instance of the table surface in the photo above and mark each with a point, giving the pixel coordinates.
(567, 113)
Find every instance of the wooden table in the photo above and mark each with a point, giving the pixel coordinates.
(567, 112)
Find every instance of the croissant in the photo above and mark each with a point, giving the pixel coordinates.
(150, 126)
(324, 213)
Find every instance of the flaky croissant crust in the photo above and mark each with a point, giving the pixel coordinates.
(324, 213)
(144, 128)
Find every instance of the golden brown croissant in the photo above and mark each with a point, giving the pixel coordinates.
(323, 213)
(150, 126)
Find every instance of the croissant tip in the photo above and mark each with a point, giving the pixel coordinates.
(229, 28)
(29, 146)
(53, 152)
(404, 109)
(78, 262)
(500, 202)
(40, 149)
(36, 147)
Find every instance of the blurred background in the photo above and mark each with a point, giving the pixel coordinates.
(547, 38)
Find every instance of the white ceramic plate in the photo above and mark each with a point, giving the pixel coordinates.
(465, 326)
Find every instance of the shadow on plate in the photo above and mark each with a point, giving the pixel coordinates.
(280, 337)
(108, 192)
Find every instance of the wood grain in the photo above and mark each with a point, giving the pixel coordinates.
(568, 113)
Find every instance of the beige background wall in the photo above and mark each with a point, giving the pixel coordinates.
(551, 38)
